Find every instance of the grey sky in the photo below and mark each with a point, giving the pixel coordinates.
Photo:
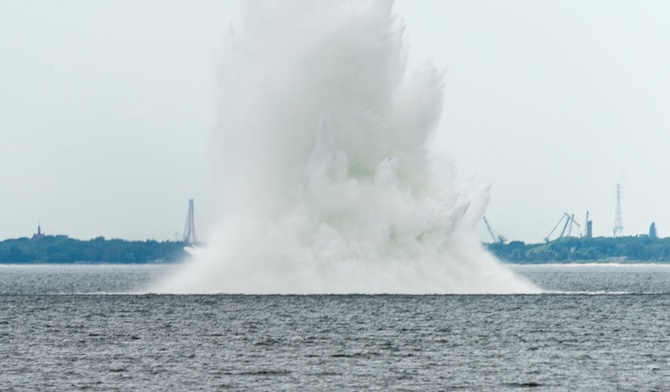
(106, 109)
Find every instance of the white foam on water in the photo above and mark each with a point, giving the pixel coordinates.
(329, 187)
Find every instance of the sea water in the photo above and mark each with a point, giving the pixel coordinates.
(84, 328)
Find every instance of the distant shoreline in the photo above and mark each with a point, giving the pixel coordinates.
(65, 250)
(87, 263)
(569, 250)
(585, 263)
(574, 250)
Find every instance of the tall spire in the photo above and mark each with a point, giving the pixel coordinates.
(39, 233)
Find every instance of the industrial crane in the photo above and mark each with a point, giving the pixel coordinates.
(572, 222)
(567, 226)
(499, 239)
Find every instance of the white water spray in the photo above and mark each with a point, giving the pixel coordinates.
(329, 186)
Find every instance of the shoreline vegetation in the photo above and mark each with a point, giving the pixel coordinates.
(61, 249)
(572, 250)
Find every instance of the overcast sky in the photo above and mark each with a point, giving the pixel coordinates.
(106, 111)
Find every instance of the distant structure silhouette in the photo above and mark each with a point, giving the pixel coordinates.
(652, 231)
(39, 233)
(618, 221)
(588, 229)
(190, 227)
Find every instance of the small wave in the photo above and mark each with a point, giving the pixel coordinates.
(603, 292)
(531, 384)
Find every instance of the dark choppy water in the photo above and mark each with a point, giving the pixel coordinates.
(609, 329)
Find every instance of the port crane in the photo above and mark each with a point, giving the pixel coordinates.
(567, 226)
(499, 239)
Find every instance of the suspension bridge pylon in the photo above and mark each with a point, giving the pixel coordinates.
(191, 226)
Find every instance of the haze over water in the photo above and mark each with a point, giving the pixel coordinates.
(328, 186)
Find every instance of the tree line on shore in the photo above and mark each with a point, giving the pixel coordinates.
(62, 249)
(573, 249)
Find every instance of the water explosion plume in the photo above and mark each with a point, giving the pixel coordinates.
(329, 186)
